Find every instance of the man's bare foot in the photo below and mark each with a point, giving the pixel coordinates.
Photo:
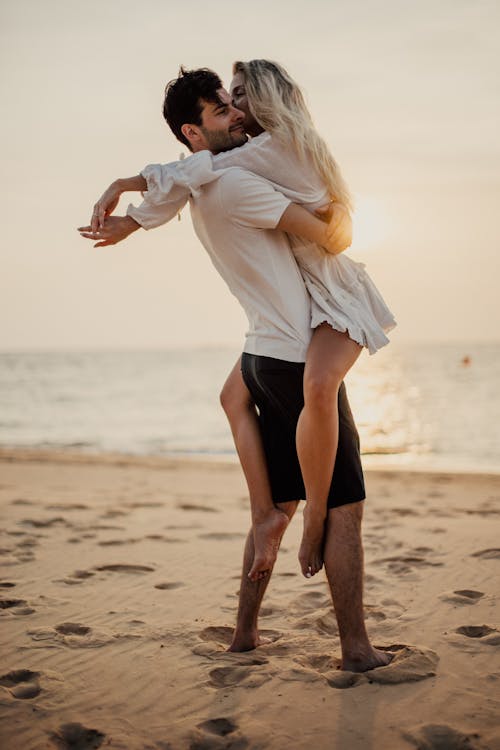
(311, 546)
(267, 535)
(370, 659)
(247, 642)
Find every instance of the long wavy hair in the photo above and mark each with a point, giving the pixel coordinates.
(278, 105)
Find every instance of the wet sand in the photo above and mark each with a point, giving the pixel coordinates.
(118, 593)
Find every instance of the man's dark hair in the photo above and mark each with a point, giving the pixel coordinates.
(184, 97)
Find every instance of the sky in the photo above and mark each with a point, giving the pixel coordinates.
(406, 95)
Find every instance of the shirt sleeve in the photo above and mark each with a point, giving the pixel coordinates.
(169, 187)
(150, 215)
(250, 200)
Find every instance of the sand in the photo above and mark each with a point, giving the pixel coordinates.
(118, 593)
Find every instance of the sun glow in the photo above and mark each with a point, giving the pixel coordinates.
(370, 224)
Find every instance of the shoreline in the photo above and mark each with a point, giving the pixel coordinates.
(215, 460)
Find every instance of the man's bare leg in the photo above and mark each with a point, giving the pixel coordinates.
(246, 633)
(343, 556)
(268, 521)
(330, 356)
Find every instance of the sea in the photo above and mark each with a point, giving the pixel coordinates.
(428, 406)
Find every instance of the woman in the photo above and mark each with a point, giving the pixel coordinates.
(348, 313)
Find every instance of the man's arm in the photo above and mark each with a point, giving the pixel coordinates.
(334, 236)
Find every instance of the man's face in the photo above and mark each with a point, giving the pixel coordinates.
(221, 125)
(239, 97)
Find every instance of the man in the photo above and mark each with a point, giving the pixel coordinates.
(241, 220)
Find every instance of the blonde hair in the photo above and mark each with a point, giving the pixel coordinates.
(278, 105)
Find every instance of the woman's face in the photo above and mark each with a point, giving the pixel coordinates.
(240, 101)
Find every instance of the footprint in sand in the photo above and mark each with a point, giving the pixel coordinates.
(217, 734)
(43, 523)
(72, 628)
(125, 568)
(442, 737)
(166, 539)
(462, 596)
(68, 506)
(202, 508)
(78, 635)
(21, 683)
(76, 578)
(8, 603)
(16, 606)
(220, 727)
(169, 585)
(75, 736)
(475, 631)
(488, 554)
(116, 542)
(114, 513)
(405, 563)
(152, 504)
(410, 664)
(247, 677)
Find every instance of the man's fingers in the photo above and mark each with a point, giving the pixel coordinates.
(84, 229)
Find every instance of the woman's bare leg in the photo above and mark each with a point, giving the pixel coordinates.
(330, 356)
(268, 522)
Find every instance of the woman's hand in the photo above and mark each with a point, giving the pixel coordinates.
(339, 231)
(109, 199)
(334, 236)
(114, 229)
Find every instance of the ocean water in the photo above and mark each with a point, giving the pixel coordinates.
(433, 406)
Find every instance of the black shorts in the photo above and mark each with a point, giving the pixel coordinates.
(276, 387)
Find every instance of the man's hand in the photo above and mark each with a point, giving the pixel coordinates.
(114, 229)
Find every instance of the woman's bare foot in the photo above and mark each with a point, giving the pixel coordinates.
(370, 659)
(267, 533)
(311, 546)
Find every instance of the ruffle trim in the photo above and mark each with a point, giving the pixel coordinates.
(354, 332)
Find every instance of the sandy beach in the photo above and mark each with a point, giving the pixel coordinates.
(119, 590)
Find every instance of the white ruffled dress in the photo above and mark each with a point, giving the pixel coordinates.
(342, 293)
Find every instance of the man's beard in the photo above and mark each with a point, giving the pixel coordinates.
(224, 140)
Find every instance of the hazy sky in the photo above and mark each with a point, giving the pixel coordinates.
(407, 95)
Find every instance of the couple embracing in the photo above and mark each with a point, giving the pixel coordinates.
(270, 206)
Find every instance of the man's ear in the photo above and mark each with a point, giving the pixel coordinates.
(190, 132)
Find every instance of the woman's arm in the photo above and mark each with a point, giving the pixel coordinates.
(109, 199)
(334, 237)
(165, 188)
